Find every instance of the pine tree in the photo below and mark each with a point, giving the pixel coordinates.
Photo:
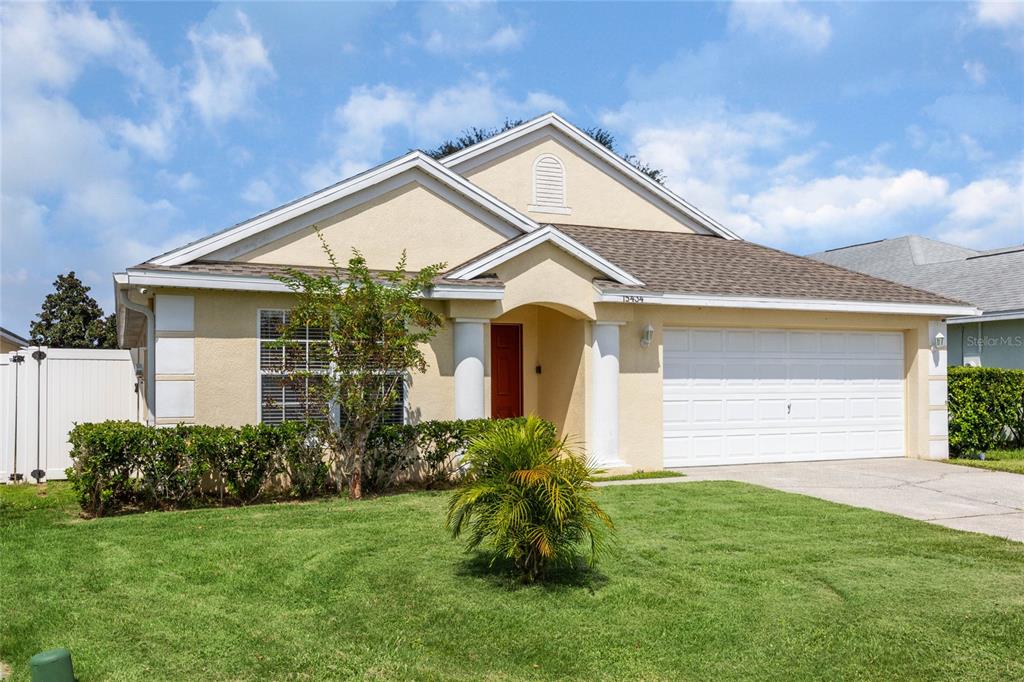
(71, 318)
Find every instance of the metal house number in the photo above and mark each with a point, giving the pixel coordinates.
(632, 299)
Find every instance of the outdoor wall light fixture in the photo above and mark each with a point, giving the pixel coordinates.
(940, 341)
(646, 336)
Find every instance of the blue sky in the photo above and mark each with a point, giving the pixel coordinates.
(131, 128)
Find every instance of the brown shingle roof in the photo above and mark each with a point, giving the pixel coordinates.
(670, 262)
(235, 269)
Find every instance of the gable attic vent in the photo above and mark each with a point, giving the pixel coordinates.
(549, 185)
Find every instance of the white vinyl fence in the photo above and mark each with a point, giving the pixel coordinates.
(46, 393)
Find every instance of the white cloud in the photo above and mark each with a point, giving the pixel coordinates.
(260, 193)
(770, 19)
(183, 182)
(372, 116)
(464, 27)
(67, 181)
(989, 211)
(840, 206)
(755, 173)
(976, 71)
(229, 68)
(1000, 13)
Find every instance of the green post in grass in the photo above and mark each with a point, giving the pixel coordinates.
(52, 666)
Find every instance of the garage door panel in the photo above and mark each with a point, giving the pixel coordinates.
(703, 341)
(735, 396)
(707, 411)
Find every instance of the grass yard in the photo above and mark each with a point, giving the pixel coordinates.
(638, 475)
(712, 580)
(997, 460)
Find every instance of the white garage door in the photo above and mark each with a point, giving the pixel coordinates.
(736, 396)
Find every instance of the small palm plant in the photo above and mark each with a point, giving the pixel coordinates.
(527, 495)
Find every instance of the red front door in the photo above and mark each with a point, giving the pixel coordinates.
(506, 370)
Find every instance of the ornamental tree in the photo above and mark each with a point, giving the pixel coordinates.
(71, 318)
(370, 329)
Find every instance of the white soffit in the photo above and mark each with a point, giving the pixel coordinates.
(304, 212)
(470, 157)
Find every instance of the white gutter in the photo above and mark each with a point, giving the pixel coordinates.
(150, 378)
(819, 305)
(990, 317)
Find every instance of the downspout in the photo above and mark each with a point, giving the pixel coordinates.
(150, 379)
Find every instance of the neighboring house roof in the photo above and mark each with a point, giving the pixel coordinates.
(303, 212)
(11, 337)
(676, 263)
(471, 156)
(991, 280)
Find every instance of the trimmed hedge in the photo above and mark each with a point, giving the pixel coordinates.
(986, 409)
(120, 466)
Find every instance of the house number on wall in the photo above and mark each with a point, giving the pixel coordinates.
(632, 299)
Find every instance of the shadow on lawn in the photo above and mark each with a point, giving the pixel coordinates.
(501, 573)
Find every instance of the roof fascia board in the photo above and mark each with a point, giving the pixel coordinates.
(546, 234)
(195, 280)
(488, 147)
(415, 159)
(990, 317)
(816, 305)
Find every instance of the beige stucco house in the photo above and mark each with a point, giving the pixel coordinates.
(577, 289)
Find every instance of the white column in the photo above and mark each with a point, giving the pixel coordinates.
(469, 368)
(604, 395)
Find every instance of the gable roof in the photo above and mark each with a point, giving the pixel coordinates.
(991, 280)
(681, 265)
(305, 207)
(547, 234)
(551, 121)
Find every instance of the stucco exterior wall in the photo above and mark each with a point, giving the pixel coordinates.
(411, 217)
(227, 357)
(595, 196)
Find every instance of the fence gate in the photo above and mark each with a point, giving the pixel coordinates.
(44, 392)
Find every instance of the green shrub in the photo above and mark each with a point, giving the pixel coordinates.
(390, 455)
(106, 463)
(169, 474)
(303, 460)
(125, 465)
(986, 409)
(528, 496)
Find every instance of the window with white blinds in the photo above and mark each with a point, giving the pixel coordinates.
(548, 184)
(286, 396)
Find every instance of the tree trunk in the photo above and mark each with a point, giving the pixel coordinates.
(355, 485)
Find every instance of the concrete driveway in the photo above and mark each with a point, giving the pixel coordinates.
(978, 500)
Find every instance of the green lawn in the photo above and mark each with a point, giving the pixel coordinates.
(712, 580)
(997, 460)
(637, 475)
